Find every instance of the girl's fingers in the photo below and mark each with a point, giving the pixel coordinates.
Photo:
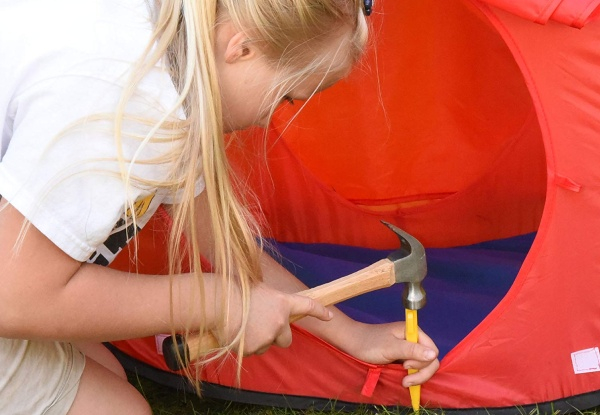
(423, 357)
(269, 330)
(416, 364)
(304, 306)
(285, 338)
(422, 376)
(260, 351)
(425, 340)
(415, 355)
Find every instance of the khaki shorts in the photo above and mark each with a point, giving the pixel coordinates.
(38, 378)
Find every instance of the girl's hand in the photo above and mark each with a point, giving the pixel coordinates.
(269, 318)
(386, 343)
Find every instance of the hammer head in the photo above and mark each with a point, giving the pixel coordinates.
(410, 268)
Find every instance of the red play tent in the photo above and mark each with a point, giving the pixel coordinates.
(474, 126)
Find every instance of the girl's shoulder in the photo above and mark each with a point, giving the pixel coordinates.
(43, 40)
(94, 28)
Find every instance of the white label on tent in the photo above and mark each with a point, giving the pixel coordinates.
(586, 361)
(159, 339)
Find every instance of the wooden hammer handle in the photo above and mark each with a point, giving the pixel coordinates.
(374, 277)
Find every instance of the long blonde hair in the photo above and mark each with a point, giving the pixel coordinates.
(290, 33)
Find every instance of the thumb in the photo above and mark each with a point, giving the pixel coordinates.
(302, 306)
(410, 351)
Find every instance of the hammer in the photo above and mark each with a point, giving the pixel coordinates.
(406, 265)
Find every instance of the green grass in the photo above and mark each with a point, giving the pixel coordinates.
(168, 401)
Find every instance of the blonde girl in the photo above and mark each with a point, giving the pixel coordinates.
(110, 108)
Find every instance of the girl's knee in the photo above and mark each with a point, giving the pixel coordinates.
(102, 392)
(99, 353)
(139, 407)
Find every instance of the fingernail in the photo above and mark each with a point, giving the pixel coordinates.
(429, 354)
(330, 314)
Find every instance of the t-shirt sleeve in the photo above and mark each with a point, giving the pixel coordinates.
(60, 168)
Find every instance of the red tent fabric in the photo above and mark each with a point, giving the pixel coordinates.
(575, 13)
(468, 121)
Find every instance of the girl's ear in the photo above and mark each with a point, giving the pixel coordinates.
(238, 48)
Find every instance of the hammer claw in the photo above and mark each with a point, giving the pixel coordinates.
(410, 267)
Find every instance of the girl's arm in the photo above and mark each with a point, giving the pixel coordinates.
(45, 294)
(374, 343)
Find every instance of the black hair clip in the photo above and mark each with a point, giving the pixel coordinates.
(368, 7)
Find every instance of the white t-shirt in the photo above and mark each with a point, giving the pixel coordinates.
(62, 62)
